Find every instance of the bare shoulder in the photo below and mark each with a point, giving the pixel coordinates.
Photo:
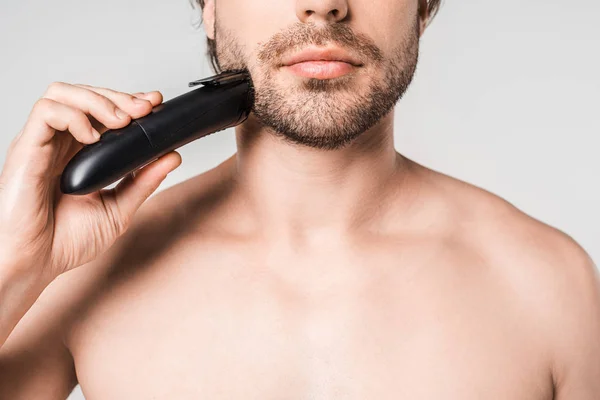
(547, 271)
(506, 233)
(540, 259)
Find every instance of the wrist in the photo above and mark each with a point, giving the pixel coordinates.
(18, 292)
(19, 273)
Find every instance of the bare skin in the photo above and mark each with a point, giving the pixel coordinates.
(286, 272)
(449, 292)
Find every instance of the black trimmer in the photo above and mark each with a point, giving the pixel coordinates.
(223, 101)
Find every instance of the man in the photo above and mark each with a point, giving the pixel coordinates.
(315, 263)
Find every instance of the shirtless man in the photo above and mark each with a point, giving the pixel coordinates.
(315, 263)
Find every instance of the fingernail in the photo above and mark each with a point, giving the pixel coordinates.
(120, 113)
(96, 134)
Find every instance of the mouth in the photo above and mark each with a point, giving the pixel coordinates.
(321, 63)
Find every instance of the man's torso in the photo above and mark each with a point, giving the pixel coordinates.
(204, 313)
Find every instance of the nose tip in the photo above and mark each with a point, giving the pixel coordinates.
(329, 11)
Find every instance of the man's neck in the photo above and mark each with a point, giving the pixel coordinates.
(301, 195)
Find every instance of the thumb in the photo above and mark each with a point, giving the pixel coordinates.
(134, 189)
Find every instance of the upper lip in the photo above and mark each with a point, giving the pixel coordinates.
(321, 54)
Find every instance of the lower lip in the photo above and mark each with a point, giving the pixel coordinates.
(321, 69)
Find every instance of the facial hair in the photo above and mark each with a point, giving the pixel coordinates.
(323, 114)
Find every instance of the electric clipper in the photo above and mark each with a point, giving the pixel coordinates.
(223, 101)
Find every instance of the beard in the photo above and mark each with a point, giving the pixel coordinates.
(325, 114)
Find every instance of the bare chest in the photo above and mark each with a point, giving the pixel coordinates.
(242, 333)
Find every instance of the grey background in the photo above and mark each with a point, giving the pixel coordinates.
(505, 95)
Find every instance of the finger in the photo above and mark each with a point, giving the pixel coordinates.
(90, 102)
(133, 190)
(97, 125)
(49, 116)
(135, 106)
(32, 154)
(155, 97)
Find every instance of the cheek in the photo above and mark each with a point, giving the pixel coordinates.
(385, 22)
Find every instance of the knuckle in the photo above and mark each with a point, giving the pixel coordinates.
(124, 99)
(93, 101)
(78, 117)
(55, 87)
(127, 96)
(115, 94)
(42, 105)
(102, 100)
(77, 121)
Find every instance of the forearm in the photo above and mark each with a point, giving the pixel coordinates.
(18, 292)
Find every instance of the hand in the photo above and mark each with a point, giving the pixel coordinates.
(45, 231)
